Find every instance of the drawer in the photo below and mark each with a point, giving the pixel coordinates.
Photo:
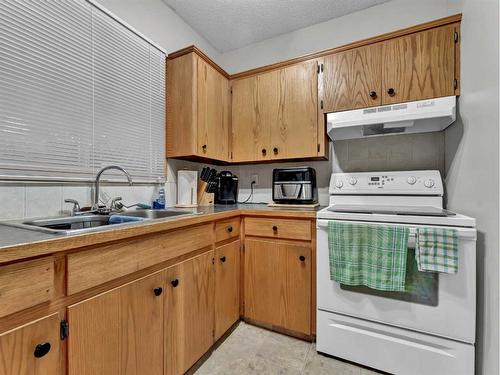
(278, 228)
(87, 269)
(26, 284)
(226, 229)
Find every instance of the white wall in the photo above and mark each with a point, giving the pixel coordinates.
(160, 24)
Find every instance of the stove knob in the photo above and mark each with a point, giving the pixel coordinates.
(353, 181)
(339, 184)
(429, 183)
(411, 180)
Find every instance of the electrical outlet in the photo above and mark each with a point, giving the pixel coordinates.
(254, 177)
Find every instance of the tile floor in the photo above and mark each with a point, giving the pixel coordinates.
(253, 350)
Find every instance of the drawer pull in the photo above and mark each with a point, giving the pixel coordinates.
(275, 150)
(302, 258)
(175, 282)
(373, 94)
(264, 151)
(158, 291)
(391, 92)
(222, 259)
(275, 228)
(229, 229)
(42, 349)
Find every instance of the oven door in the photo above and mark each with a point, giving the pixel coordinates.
(439, 304)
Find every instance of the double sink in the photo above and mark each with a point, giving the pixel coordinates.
(91, 222)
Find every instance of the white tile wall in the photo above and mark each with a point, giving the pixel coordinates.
(19, 201)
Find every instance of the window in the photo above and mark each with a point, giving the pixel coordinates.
(78, 91)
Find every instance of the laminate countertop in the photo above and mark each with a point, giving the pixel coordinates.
(17, 243)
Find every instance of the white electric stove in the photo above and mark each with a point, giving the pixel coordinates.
(429, 329)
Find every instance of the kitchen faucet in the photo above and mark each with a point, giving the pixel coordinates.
(95, 204)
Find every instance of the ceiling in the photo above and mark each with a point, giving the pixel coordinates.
(232, 24)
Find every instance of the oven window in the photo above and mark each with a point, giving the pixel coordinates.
(421, 287)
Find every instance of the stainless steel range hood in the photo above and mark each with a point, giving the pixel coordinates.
(403, 118)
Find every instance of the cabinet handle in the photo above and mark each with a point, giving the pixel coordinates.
(175, 282)
(42, 349)
(302, 258)
(391, 92)
(264, 151)
(222, 259)
(229, 229)
(204, 147)
(275, 228)
(275, 150)
(373, 94)
(158, 291)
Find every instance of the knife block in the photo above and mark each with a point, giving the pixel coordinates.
(204, 198)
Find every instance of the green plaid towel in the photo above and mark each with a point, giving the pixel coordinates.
(367, 254)
(436, 250)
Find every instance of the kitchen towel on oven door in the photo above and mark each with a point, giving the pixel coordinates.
(368, 254)
(436, 250)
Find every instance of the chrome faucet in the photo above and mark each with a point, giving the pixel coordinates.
(95, 204)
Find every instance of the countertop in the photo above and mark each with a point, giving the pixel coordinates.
(18, 243)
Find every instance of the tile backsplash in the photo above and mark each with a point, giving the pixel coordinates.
(24, 200)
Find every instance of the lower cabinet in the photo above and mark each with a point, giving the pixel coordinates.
(120, 331)
(32, 349)
(278, 284)
(189, 312)
(227, 287)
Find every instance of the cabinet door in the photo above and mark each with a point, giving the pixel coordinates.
(227, 287)
(32, 349)
(419, 66)
(255, 110)
(294, 134)
(278, 284)
(118, 332)
(213, 112)
(189, 312)
(352, 79)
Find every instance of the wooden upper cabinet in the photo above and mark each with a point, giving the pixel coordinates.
(352, 79)
(32, 349)
(189, 312)
(120, 331)
(295, 133)
(198, 111)
(419, 66)
(274, 114)
(213, 112)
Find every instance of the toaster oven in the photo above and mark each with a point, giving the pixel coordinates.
(295, 186)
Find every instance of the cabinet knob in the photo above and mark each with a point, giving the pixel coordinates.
(391, 92)
(175, 282)
(42, 349)
(275, 228)
(264, 151)
(373, 94)
(302, 258)
(158, 291)
(222, 259)
(204, 147)
(275, 150)
(230, 229)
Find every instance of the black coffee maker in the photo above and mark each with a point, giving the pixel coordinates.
(227, 188)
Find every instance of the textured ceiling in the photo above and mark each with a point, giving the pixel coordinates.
(232, 24)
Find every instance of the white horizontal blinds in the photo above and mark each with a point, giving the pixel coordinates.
(45, 87)
(78, 91)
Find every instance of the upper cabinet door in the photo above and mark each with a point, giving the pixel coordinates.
(213, 112)
(255, 109)
(32, 349)
(294, 134)
(419, 66)
(352, 79)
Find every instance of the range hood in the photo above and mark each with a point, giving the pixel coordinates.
(420, 116)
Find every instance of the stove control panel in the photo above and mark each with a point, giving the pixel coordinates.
(386, 183)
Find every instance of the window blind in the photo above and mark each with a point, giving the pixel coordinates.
(78, 91)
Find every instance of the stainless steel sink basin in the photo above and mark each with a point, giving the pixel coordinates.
(90, 222)
(154, 214)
